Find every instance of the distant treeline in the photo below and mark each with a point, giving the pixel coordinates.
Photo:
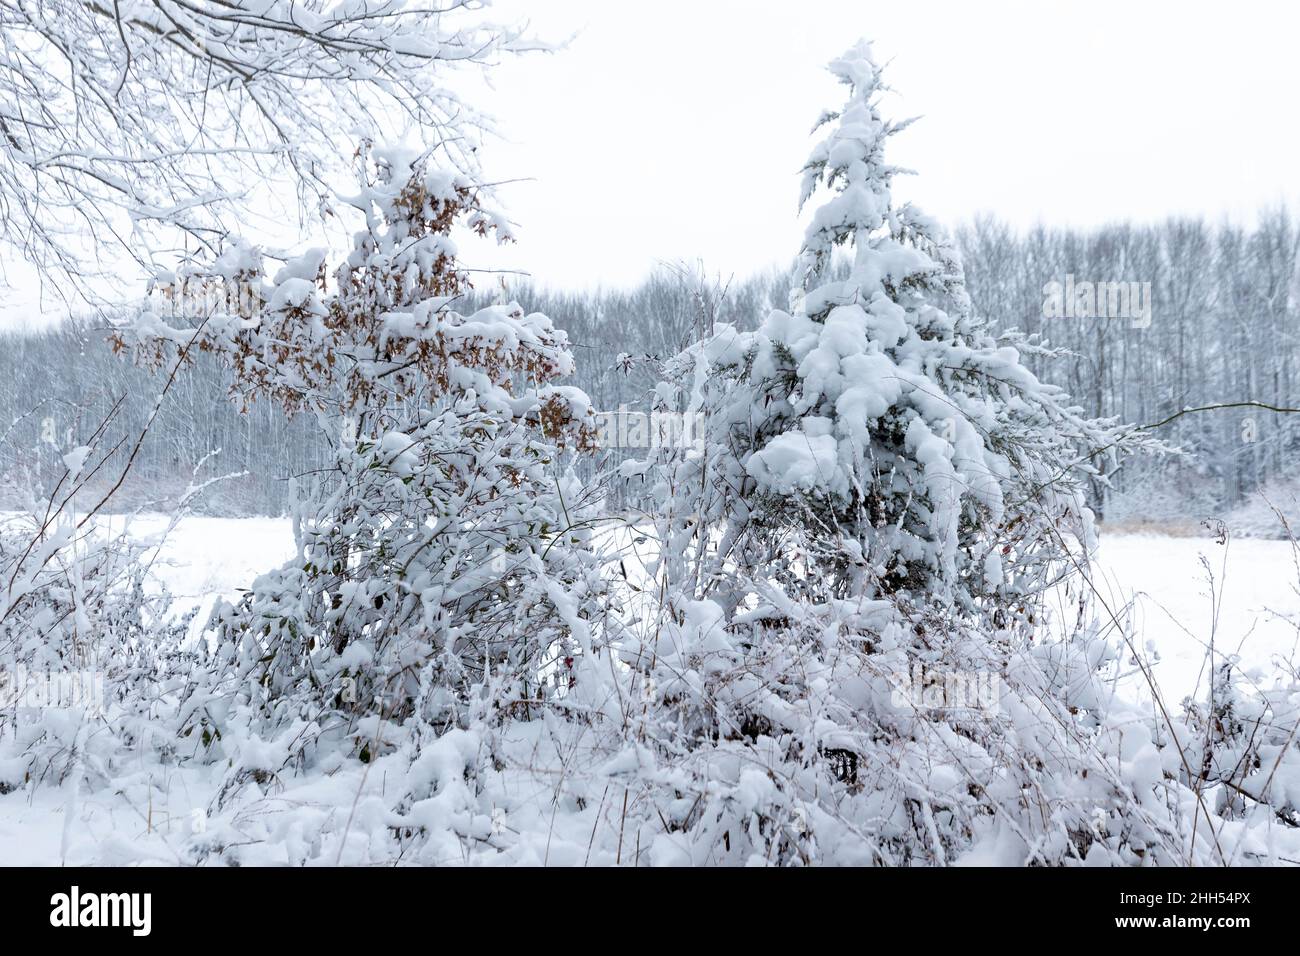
(1223, 326)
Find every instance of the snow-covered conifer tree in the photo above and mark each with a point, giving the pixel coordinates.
(843, 657)
(886, 414)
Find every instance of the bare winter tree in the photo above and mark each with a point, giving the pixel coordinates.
(143, 127)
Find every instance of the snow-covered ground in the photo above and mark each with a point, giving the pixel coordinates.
(1187, 591)
(1165, 580)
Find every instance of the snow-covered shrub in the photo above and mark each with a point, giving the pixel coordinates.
(443, 574)
(1242, 741)
(1242, 747)
(86, 638)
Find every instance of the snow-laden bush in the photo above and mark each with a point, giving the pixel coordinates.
(443, 576)
(1242, 747)
(1242, 741)
(87, 638)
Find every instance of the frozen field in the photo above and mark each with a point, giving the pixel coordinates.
(1250, 609)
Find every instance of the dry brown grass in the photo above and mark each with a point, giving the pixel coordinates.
(1169, 528)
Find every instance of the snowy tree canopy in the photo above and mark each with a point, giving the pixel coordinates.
(149, 127)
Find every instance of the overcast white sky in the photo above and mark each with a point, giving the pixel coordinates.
(675, 129)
